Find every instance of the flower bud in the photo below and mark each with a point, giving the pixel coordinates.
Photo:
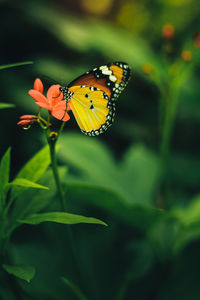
(26, 121)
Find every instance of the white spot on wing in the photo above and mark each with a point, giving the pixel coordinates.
(103, 67)
(106, 72)
(112, 78)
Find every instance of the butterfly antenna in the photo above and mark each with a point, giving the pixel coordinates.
(57, 95)
(51, 81)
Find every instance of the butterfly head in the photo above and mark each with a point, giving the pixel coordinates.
(66, 93)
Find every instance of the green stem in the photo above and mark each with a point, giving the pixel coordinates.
(178, 74)
(52, 144)
(52, 138)
(161, 110)
(61, 128)
(16, 65)
(43, 120)
(75, 289)
(123, 289)
(48, 119)
(171, 102)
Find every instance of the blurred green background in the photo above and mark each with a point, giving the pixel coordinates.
(142, 177)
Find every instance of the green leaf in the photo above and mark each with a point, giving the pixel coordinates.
(16, 65)
(190, 215)
(30, 201)
(189, 224)
(33, 169)
(135, 179)
(21, 271)
(59, 217)
(27, 183)
(6, 105)
(74, 288)
(89, 156)
(5, 168)
(133, 214)
(36, 166)
(163, 235)
(180, 227)
(140, 173)
(4, 173)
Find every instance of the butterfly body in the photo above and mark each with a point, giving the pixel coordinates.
(92, 96)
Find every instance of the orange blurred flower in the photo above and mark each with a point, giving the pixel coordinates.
(197, 40)
(53, 101)
(168, 31)
(147, 69)
(186, 55)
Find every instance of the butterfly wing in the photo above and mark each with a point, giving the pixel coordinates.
(111, 79)
(93, 96)
(92, 109)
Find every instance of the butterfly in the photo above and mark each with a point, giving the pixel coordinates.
(92, 96)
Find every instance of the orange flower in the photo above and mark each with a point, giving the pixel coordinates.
(53, 102)
(168, 31)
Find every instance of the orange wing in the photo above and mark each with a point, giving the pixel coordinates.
(111, 79)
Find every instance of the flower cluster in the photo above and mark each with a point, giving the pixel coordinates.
(53, 102)
(168, 36)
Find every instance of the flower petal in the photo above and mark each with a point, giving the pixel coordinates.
(60, 105)
(44, 105)
(60, 115)
(38, 85)
(37, 96)
(54, 95)
(28, 117)
(66, 117)
(23, 122)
